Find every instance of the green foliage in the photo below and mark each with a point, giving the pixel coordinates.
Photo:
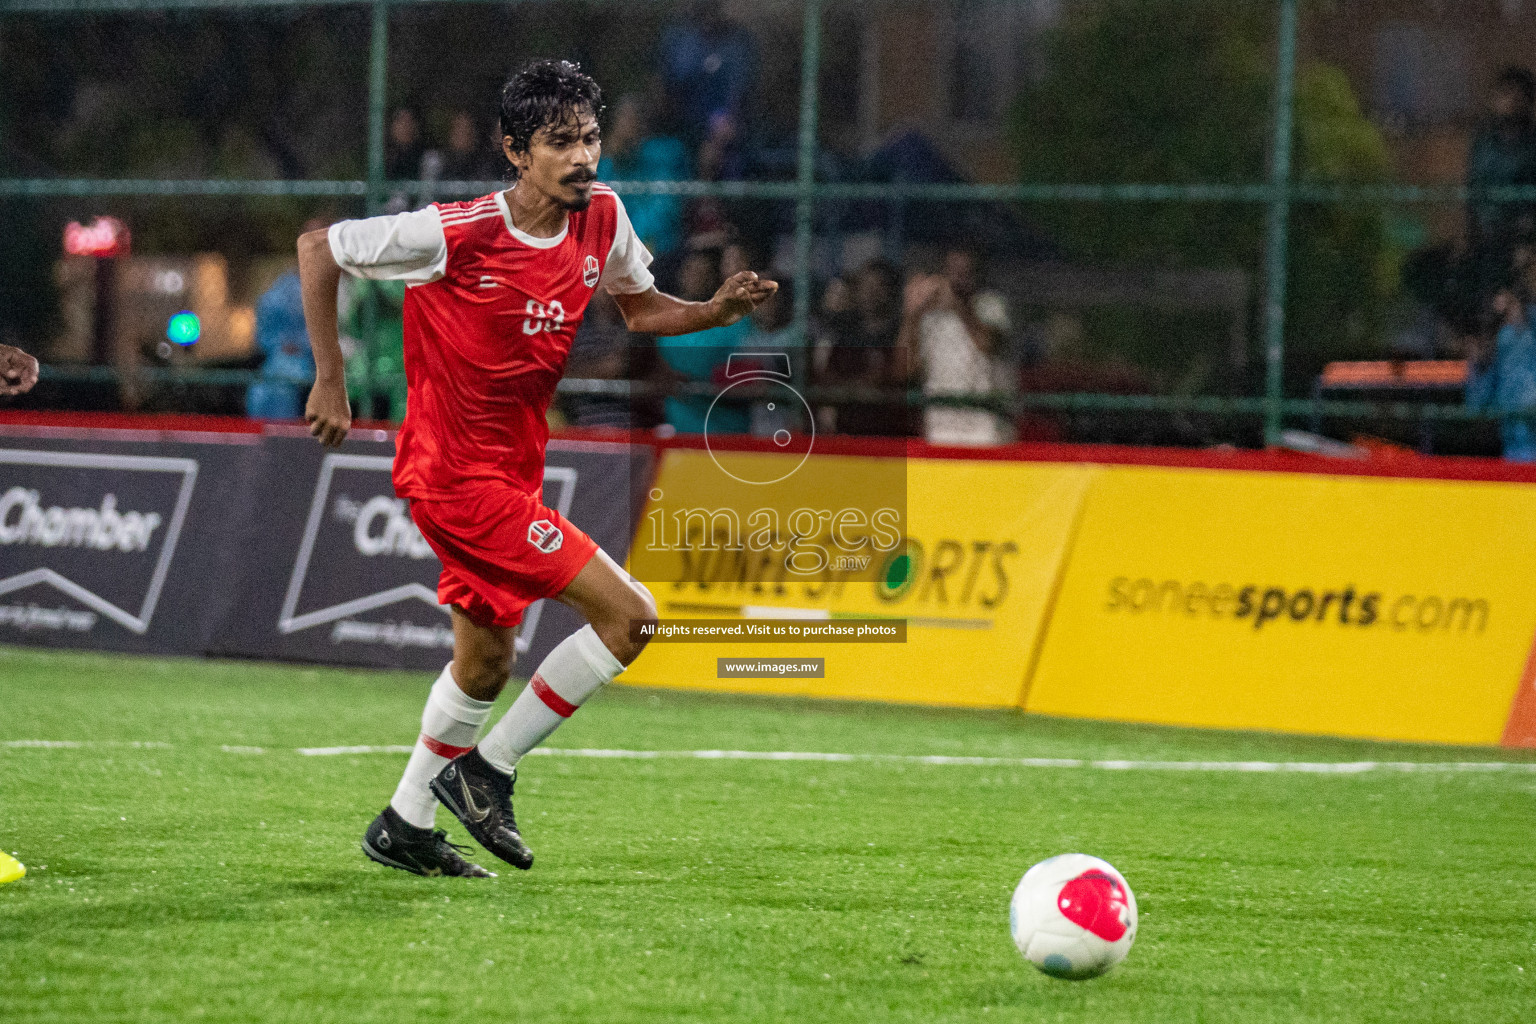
(1181, 91)
(206, 879)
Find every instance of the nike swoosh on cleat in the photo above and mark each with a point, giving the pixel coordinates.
(388, 861)
(475, 812)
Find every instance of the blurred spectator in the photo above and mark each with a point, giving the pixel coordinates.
(1503, 153)
(1503, 366)
(403, 153)
(773, 328)
(706, 225)
(957, 334)
(857, 348)
(376, 368)
(288, 365)
(722, 156)
(467, 157)
(734, 257)
(632, 153)
(773, 333)
(403, 147)
(708, 64)
(701, 357)
(1457, 280)
(599, 352)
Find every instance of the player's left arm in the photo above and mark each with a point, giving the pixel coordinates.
(655, 312)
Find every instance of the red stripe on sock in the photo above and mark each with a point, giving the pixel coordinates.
(558, 704)
(442, 749)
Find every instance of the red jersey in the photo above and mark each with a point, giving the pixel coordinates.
(490, 314)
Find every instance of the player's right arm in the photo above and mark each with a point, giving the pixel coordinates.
(328, 412)
(407, 247)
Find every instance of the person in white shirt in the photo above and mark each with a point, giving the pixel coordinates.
(951, 336)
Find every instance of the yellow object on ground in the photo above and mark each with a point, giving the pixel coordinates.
(11, 869)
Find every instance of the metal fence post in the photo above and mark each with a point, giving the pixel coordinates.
(1278, 224)
(378, 68)
(805, 191)
(378, 98)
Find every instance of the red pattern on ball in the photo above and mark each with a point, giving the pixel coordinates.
(1095, 901)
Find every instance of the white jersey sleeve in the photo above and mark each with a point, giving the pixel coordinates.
(625, 272)
(409, 247)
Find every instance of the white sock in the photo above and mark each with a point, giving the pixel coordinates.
(449, 725)
(568, 675)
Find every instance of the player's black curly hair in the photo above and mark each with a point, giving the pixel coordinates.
(542, 94)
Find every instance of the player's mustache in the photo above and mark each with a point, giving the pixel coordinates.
(579, 178)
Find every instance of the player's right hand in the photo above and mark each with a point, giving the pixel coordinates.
(328, 413)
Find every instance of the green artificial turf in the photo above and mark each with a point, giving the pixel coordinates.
(191, 882)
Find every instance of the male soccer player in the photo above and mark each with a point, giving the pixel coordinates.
(495, 291)
(18, 371)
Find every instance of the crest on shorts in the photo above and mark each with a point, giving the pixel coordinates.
(545, 536)
(590, 272)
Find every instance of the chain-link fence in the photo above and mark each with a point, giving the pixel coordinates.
(1158, 220)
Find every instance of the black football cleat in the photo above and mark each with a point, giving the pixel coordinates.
(481, 798)
(396, 843)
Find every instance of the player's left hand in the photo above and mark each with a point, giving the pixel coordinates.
(18, 371)
(740, 295)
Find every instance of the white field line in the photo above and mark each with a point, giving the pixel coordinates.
(1242, 767)
(78, 744)
(1303, 767)
(333, 751)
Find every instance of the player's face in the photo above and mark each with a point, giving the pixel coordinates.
(561, 161)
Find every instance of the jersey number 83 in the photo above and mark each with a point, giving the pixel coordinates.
(542, 317)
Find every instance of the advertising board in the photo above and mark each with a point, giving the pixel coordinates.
(973, 554)
(1349, 606)
(109, 544)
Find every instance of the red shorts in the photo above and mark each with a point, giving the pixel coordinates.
(502, 549)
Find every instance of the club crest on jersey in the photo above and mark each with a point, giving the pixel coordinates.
(590, 272)
(545, 536)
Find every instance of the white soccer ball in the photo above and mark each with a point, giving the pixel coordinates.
(1073, 916)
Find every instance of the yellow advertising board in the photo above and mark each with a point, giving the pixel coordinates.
(1351, 606)
(971, 566)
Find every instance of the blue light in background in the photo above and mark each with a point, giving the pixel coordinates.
(184, 329)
